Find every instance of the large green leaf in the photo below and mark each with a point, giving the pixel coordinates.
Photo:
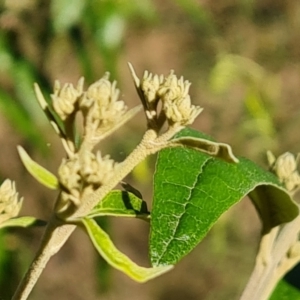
(120, 204)
(117, 259)
(285, 291)
(192, 190)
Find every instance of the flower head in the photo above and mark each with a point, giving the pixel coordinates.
(10, 204)
(176, 101)
(173, 94)
(65, 98)
(100, 104)
(150, 85)
(97, 169)
(173, 88)
(80, 175)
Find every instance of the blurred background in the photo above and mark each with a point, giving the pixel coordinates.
(243, 59)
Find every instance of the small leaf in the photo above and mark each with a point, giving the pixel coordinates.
(120, 203)
(192, 190)
(52, 116)
(23, 222)
(117, 259)
(41, 174)
(129, 188)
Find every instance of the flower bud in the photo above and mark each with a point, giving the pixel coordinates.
(10, 204)
(285, 168)
(64, 99)
(100, 104)
(177, 102)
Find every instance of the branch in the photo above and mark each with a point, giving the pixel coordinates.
(57, 233)
(273, 260)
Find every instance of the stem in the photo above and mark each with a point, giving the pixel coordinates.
(53, 239)
(145, 148)
(267, 273)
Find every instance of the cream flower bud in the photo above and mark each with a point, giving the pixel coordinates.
(68, 173)
(81, 175)
(174, 88)
(101, 103)
(293, 182)
(177, 102)
(10, 204)
(102, 90)
(96, 169)
(150, 85)
(65, 99)
(181, 112)
(71, 182)
(173, 94)
(77, 173)
(285, 167)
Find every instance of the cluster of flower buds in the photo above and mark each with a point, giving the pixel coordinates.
(10, 203)
(173, 92)
(65, 98)
(82, 171)
(81, 175)
(99, 106)
(285, 168)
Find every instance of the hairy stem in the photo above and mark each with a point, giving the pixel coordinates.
(53, 239)
(145, 148)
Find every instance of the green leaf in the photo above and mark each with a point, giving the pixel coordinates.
(41, 174)
(117, 259)
(122, 204)
(192, 190)
(285, 291)
(273, 203)
(23, 222)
